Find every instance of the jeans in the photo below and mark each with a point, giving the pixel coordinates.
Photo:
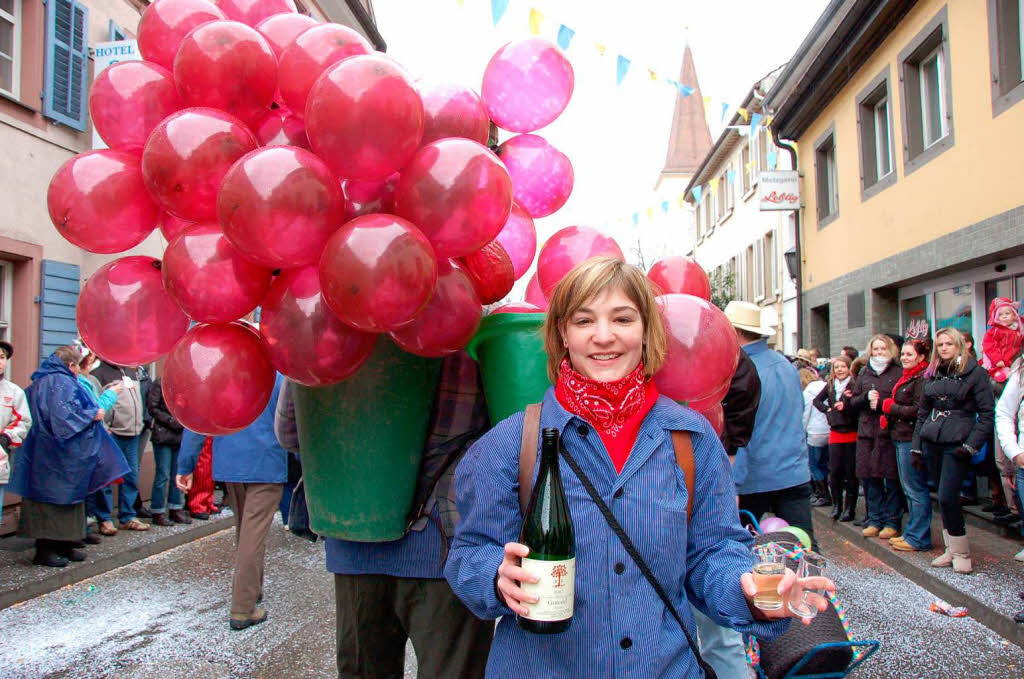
(98, 504)
(129, 490)
(165, 491)
(817, 459)
(2, 487)
(792, 504)
(721, 647)
(1020, 492)
(951, 473)
(883, 500)
(918, 533)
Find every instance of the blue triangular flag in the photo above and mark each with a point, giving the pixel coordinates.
(755, 120)
(498, 8)
(636, 219)
(773, 159)
(697, 191)
(731, 175)
(564, 36)
(664, 206)
(725, 109)
(621, 69)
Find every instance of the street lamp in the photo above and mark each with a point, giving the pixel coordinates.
(791, 263)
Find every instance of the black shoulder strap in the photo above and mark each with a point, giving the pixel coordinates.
(627, 543)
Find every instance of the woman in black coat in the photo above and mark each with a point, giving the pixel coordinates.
(834, 401)
(166, 441)
(876, 453)
(956, 418)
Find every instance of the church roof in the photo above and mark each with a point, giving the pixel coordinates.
(690, 140)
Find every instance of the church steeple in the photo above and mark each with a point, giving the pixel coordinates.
(690, 140)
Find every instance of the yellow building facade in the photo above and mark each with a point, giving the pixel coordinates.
(908, 119)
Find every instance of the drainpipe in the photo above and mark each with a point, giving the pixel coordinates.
(799, 250)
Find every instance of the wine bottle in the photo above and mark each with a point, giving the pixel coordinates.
(547, 531)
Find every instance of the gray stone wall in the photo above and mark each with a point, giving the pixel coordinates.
(992, 239)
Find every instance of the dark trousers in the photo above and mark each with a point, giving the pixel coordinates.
(884, 501)
(377, 614)
(842, 465)
(950, 473)
(792, 504)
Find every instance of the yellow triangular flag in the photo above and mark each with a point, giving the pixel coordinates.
(768, 121)
(654, 76)
(536, 18)
(600, 48)
(714, 185)
(743, 113)
(682, 200)
(650, 213)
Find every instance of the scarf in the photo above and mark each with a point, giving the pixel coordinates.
(879, 363)
(615, 409)
(908, 374)
(840, 386)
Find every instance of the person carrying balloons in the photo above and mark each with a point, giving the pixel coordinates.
(605, 340)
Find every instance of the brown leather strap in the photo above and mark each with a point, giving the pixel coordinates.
(683, 445)
(528, 454)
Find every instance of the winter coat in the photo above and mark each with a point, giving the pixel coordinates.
(815, 423)
(876, 452)
(906, 401)
(1001, 343)
(956, 408)
(67, 454)
(740, 405)
(128, 415)
(15, 421)
(166, 429)
(843, 421)
(106, 400)
(1010, 416)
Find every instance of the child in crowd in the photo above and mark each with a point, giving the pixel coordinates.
(1002, 340)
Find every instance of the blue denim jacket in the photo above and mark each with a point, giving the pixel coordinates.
(698, 560)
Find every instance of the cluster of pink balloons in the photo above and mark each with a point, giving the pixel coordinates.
(292, 168)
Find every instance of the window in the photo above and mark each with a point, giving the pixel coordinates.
(6, 290)
(914, 315)
(874, 123)
(749, 274)
(724, 198)
(745, 170)
(65, 94)
(1006, 51)
(759, 271)
(709, 211)
(698, 214)
(953, 308)
(771, 265)
(114, 32)
(856, 316)
(10, 47)
(827, 180)
(927, 120)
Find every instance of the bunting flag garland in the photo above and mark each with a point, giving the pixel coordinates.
(697, 192)
(713, 185)
(621, 69)
(601, 48)
(498, 8)
(565, 35)
(664, 206)
(773, 159)
(636, 219)
(650, 213)
(731, 175)
(536, 18)
(725, 110)
(744, 114)
(755, 120)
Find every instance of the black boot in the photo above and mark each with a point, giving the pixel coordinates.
(46, 555)
(851, 508)
(72, 551)
(837, 507)
(820, 498)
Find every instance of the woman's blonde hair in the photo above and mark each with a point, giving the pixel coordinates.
(585, 282)
(890, 346)
(959, 360)
(806, 377)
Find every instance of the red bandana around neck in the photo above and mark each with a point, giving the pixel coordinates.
(615, 409)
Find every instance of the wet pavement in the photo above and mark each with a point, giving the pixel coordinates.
(166, 616)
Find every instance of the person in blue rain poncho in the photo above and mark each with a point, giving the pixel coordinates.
(67, 455)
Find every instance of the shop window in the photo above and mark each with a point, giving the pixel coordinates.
(827, 178)
(953, 308)
(10, 47)
(874, 123)
(914, 316)
(856, 315)
(1006, 52)
(993, 289)
(927, 94)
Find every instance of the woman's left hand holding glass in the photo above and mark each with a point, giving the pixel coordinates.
(789, 585)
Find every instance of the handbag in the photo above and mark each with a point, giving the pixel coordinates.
(682, 444)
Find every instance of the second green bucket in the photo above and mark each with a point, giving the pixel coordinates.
(510, 351)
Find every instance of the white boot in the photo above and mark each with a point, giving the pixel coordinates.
(944, 560)
(961, 549)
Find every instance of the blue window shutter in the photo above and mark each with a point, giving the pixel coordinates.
(57, 324)
(115, 32)
(65, 86)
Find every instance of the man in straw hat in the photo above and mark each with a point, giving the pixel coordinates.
(771, 471)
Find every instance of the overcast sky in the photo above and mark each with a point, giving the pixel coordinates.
(615, 136)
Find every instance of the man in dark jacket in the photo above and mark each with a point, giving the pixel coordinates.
(740, 406)
(166, 439)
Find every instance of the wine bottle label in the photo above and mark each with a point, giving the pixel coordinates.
(556, 589)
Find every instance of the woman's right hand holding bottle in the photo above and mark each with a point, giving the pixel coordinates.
(510, 574)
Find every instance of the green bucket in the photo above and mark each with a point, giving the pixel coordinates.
(510, 351)
(362, 441)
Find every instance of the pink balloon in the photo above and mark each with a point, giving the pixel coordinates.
(519, 238)
(98, 201)
(377, 272)
(279, 205)
(491, 271)
(680, 274)
(364, 198)
(280, 127)
(165, 24)
(218, 379)
(364, 117)
(568, 247)
(305, 340)
(451, 110)
(188, 155)
(772, 524)
(715, 416)
(458, 193)
(171, 226)
(527, 84)
(534, 295)
(449, 320)
(702, 351)
(280, 30)
(124, 314)
(252, 12)
(542, 176)
(128, 99)
(209, 279)
(517, 308)
(310, 54)
(229, 66)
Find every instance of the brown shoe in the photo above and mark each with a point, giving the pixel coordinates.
(901, 545)
(240, 622)
(887, 533)
(107, 528)
(161, 520)
(134, 524)
(179, 516)
(870, 532)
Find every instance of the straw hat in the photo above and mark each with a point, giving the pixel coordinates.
(747, 316)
